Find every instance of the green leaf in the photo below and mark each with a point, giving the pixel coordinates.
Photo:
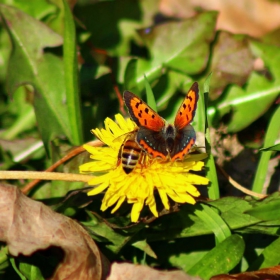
(165, 92)
(266, 211)
(185, 224)
(71, 77)
(124, 18)
(213, 188)
(31, 272)
(271, 148)
(43, 71)
(224, 257)
(214, 222)
(201, 111)
(38, 9)
(187, 50)
(182, 45)
(233, 211)
(252, 102)
(14, 265)
(144, 246)
(4, 260)
(150, 96)
(268, 258)
(270, 138)
(25, 116)
(104, 231)
(56, 19)
(270, 55)
(130, 76)
(152, 72)
(244, 106)
(185, 261)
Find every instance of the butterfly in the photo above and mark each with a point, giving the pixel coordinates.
(158, 138)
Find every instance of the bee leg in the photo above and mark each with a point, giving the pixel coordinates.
(142, 160)
(120, 155)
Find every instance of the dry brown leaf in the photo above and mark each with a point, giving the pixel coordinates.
(120, 271)
(271, 273)
(28, 226)
(251, 17)
(232, 62)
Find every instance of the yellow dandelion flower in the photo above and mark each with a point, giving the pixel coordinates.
(171, 179)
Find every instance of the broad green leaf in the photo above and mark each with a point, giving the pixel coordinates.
(270, 55)
(124, 18)
(43, 71)
(57, 20)
(252, 102)
(152, 72)
(38, 9)
(182, 45)
(187, 50)
(104, 231)
(30, 271)
(214, 222)
(268, 258)
(224, 257)
(256, 98)
(186, 224)
(165, 92)
(186, 260)
(266, 228)
(24, 112)
(233, 212)
(266, 211)
(178, 225)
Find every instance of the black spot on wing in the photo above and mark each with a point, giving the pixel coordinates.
(138, 104)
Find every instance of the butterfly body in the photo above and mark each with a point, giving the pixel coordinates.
(158, 138)
(130, 153)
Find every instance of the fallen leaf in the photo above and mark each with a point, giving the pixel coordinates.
(271, 273)
(120, 271)
(28, 226)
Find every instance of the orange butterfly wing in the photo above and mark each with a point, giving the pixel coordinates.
(186, 111)
(142, 114)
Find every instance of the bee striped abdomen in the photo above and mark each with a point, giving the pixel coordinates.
(130, 155)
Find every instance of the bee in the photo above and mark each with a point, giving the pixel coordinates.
(129, 155)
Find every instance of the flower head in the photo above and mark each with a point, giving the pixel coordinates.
(171, 179)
